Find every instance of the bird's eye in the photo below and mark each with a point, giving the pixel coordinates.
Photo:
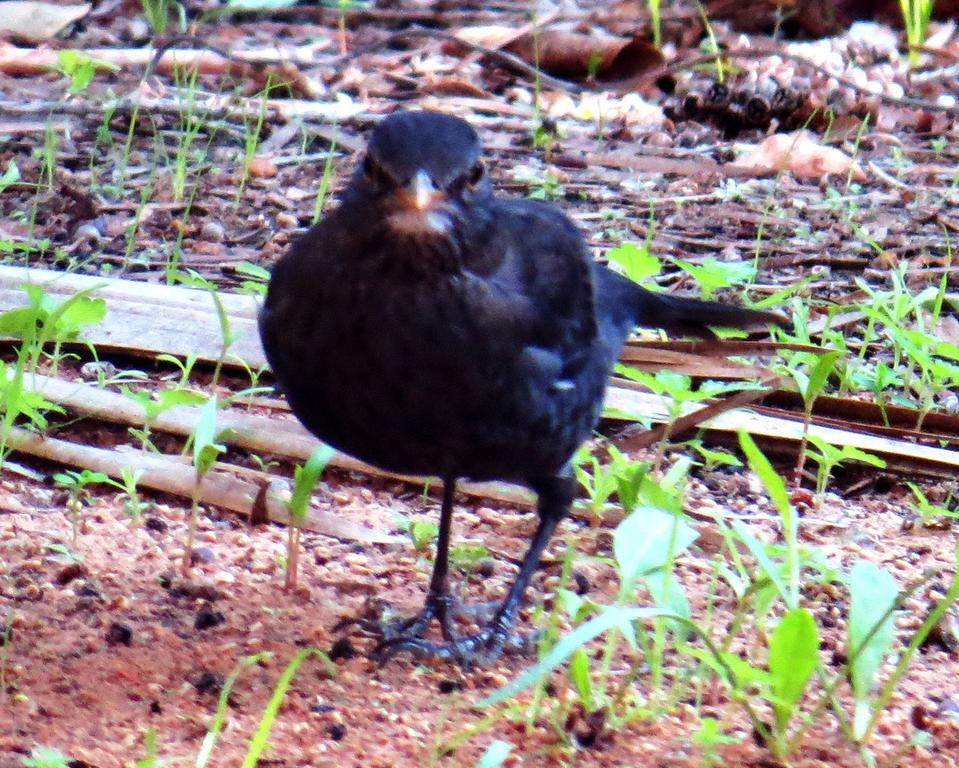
(475, 175)
(374, 172)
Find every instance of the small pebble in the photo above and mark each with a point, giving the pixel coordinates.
(208, 682)
(93, 370)
(154, 523)
(119, 634)
(69, 573)
(88, 232)
(342, 649)
(31, 592)
(262, 167)
(202, 555)
(286, 220)
(582, 583)
(138, 30)
(206, 618)
(448, 686)
(212, 232)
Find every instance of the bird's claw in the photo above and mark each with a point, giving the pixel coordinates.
(406, 635)
(477, 650)
(444, 608)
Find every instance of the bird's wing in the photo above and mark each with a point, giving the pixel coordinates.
(536, 271)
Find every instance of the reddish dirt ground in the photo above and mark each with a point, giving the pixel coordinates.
(109, 644)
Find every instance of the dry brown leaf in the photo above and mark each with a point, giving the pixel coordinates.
(263, 167)
(570, 54)
(800, 153)
(487, 35)
(450, 86)
(35, 22)
(690, 364)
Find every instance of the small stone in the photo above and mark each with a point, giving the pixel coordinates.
(208, 682)
(138, 30)
(342, 649)
(155, 523)
(207, 618)
(119, 634)
(31, 592)
(87, 232)
(69, 573)
(94, 369)
(212, 232)
(202, 555)
(582, 583)
(448, 686)
(262, 167)
(286, 220)
(119, 603)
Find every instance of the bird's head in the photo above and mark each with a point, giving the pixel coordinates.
(424, 169)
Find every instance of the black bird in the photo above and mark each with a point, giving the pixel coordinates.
(429, 327)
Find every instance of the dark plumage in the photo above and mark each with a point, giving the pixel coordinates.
(429, 327)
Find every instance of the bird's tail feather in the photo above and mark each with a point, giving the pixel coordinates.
(626, 305)
(695, 317)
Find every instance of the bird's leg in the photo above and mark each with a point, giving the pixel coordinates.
(440, 604)
(485, 646)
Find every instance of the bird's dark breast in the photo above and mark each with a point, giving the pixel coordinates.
(397, 373)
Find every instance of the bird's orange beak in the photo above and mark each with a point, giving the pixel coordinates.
(420, 194)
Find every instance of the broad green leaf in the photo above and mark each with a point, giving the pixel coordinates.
(744, 674)
(251, 270)
(10, 176)
(171, 398)
(305, 479)
(76, 314)
(771, 479)
(205, 450)
(667, 592)
(873, 594)
(636, 261)
(793, 656)
(646, 540)
(820, 372)
(579, 674)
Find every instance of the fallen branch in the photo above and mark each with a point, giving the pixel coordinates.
(37, 61)
(221, 486)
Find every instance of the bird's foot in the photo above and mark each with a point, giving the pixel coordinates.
(480, 649)
(445, 608)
